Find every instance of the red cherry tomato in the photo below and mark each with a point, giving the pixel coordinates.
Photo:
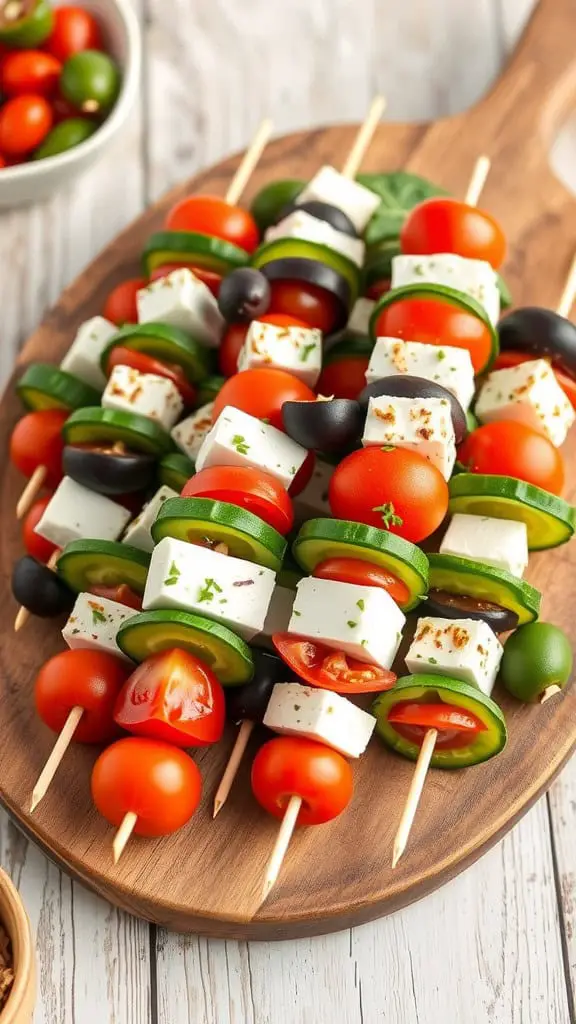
(448, 225)
(303, 476)
(35, 544)
(210, 279)
(344, 378)
(456, 726)
(435, 322)
(566, 382)
(510, 448)
(315, 306)
(154, 780)
(120, 306)
(252, 489)
(393, 489)
(379, 288)
(292, 766)
(75, 29)
(24, 122)
(327, 669)
(363, 574)
(37, 441)
(86, 679)
(3, 162)
(229, 351)
(122, 356)
(29, 71)
(122, 594)
(262, 393)
(212, 215)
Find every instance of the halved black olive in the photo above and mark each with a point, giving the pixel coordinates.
(39, 589)
(244, 295)
(459, 606)
(298, 268)
(325, 426)
(107, 471)
(541, 332)
(322, 211)
(404, 385)
(250, 701)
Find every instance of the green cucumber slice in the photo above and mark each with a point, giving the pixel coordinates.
(268, 204)
(95, 425)
(225, 653)
(320, 539)
(550, 520)
(195, 250)
(175, 470)
(476, 579)
(290, 248)
(166, 343)
(84, 564)
(447, 691)
(208, 389)
(42, 386)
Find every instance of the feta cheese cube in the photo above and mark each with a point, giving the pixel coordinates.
(529, 393)
(75, 513)
(465, 649)
(359, 322)
(423, 425)
(94, 623)
(190, 433)
(296, 710)
(502, 543)
(182, 300)
(474, 277)
(301, 224)
(83, 357)
(295, 349)
(138, 533)
(155, 397)
(196, 579)
(329, 186)
(451, 367)
(313, 502)
(238, 439)
(364, 622)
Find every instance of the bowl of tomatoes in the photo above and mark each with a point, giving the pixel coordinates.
(69, 77)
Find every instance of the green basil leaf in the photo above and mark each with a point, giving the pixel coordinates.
(399, 192)
(505, 294)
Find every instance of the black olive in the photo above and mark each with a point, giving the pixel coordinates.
(322, 211)
(250, 701)
(540, 332)
(326, 426)
(404, 385)
(109, 472)
(299, 268)
(244, 295)
(460, 606)
(39, 589)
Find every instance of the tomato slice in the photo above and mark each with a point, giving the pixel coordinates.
(567, 383)
(344, 378)
(456, 726)
(327, 669)
(303, 476)
(252, 489)
(210, 279)
(122, 356)
(364, 574)
(122, 594)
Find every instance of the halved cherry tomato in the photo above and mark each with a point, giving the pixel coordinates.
(230, 347)
(441, 224)
(292, 766)
(437, 322)
(456, 726)
(210, 279)
(37, 441)
(122, 594)
(24, 123)
(122, 356)
(81, 678)
(120, 306)
(75, 29)
(252, 489)
(378, 288)
(344, 378)
(510, 448)
(212, 215)
(566, 382)
(363, 574)
(327, 669)
(262, 393)
(307, 302)
(35, 544)
(303, 476)
(29, 71)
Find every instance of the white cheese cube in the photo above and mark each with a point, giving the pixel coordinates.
(312, 502)
(94, 623)
(182, 300)
(529, 393)
(190, 433)
(473, 277)
(363, 622)
(295, 349)
(301, 224)
(138, 533)
(155, 397)
(464, 649)
(423, 425)
(238, 439)
(451, 367)
(502, 543)
(329, 186)
(196, 579)
(359, 322)
(75, 513)
(296, 710)
(83, 357)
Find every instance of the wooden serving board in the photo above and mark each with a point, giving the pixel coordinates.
(207, 877)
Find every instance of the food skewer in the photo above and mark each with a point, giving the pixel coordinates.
(23, 614)
(364, 137)
(281, 845)
(234, 761)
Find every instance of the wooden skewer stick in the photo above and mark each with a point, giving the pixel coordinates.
(31, 491)
(478, 180)
(282, 843)
(567, 298)
(550, 692)
(58, 750)
(364, 137)
(249, 161)
(123, 834)
(23, 613)
(414, 794)
(231, 770)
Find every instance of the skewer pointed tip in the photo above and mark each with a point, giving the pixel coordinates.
(218, 805)
(21, 619)
(266, 890)
(549, 692)
(396, 856)
(36, 798)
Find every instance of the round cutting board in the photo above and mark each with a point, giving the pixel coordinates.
(207, 878)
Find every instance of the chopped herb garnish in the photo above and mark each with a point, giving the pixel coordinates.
(97, 616)
(433, 661)
(173, 575)
(208, 591)
(389, 517)
(351, 624)
(440, 354)
(240, 444)
(360, 604)
(296, 613)
(388, 448)
(306, 350)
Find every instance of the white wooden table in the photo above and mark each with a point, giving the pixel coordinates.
(498, 943)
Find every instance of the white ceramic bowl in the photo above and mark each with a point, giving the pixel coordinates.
(31, 182)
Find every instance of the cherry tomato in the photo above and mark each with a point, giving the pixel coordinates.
(210, 279)
(510, 448)
(448, 225)
(327, 669)
(37, 441)
(252, 489)
(122, 356)
(75, 29)
(3, 162)
(229, 351)
(344, 378)
(122, 594)
(29, 71)
(292, 766)
(35, 544)
(88, 679)
(154, 780)
(456, 726)
(379, 288)
(212, 215)
(24, 123)
(567, 383)
(120, 306)
(262, 393)
(315, 306)
(392, 488)
(63, 110)
(363, 574)
(436, 322)
(303, 476)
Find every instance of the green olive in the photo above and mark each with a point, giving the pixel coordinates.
(90, 81)
(25, 23)
(535, 657)
(65, 136)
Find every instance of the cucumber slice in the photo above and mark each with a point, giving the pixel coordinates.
(95, 425)
(198, 519)
(268, 204)
(195, 250)
(320, 539)
(476, 579)
(225, 653)
(166, 343)
(175, 470)
(84, 564)
(291, 248)
(42, 386)
(208, 390)
(428, 688)
(550, 520)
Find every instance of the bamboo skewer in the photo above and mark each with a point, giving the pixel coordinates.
(58, 751)
(281, 845)
(123, 835)
(248, 162)
(23, 614)
(31, 491)
(549, 692)
(567, 298)
(414, 794)
(478, 180)
(231, 770)
(364, 138)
